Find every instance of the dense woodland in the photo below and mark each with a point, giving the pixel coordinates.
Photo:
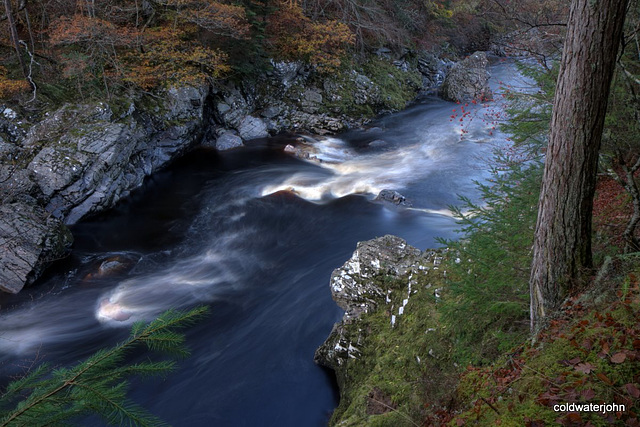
(97, 48)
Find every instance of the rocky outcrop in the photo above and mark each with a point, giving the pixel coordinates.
(79, 160)
(29, 239)
(364, 284)
(389, 333)
(91, 158)
(468, 79)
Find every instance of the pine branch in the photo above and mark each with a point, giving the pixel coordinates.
(95, 377)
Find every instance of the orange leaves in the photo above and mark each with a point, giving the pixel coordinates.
(169, 59)
(219, 18)
(10, 87)
(80, 29)
(296, 37)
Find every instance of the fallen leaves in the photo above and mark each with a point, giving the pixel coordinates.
(618, 357)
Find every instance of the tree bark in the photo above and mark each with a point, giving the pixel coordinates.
(14, 35)
(562, 245)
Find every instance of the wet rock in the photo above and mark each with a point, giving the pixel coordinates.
(468, 79)
(394, 197)
(112, 311)
(29, 239)
(302, 150)
(311, 101)
(227, 141)
(252, 128)
(110, 266)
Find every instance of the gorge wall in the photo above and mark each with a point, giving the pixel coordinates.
(80, 159)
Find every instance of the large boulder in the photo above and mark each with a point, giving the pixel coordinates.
(252, 128)
(29, 239)
(468, 79)
(228, 140)
(378, 271)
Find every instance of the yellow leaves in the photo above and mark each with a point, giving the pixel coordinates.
(10, 87)
(223, 19)
(296, 37)
(168, 59)
(217, 17)
(80, 29)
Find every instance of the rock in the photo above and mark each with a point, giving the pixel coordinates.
(12, 125)
(392, 196)
(366, 90)
(468, 79)
(271, 111)
(286, 72)
(311, 101)
(14, 183)
(302, 150)
(361, 286)
(227, 141)
(433, 70)
(29, 239)
(385, 280)
(89, 161)
(252, 128)
(351, 285)
(110, 266)
(383, 52)
(233, 108)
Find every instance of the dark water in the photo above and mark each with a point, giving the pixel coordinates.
(255, 234)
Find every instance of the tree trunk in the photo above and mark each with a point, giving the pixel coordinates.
(562, 246)
(14, 35)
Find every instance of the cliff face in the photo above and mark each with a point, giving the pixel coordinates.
(79, 160)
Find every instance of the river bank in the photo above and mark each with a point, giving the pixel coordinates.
(76, 161)
(217, 228)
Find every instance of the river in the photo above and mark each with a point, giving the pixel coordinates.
(254, 233)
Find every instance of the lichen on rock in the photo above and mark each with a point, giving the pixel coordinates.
(468, 79)
(387, 289)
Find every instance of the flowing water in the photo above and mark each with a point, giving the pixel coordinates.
(253, 233)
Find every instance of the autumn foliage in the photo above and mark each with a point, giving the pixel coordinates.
(10, 87)
(102, 46)
(296, 37)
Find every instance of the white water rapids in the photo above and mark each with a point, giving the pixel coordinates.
(255, 234)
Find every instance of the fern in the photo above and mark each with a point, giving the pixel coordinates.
(99, 384)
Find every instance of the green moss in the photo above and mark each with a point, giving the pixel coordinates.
(572, 362)
(397, 87)
(392, 88)
(409, 362)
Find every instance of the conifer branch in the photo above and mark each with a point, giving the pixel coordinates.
(97, 384)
